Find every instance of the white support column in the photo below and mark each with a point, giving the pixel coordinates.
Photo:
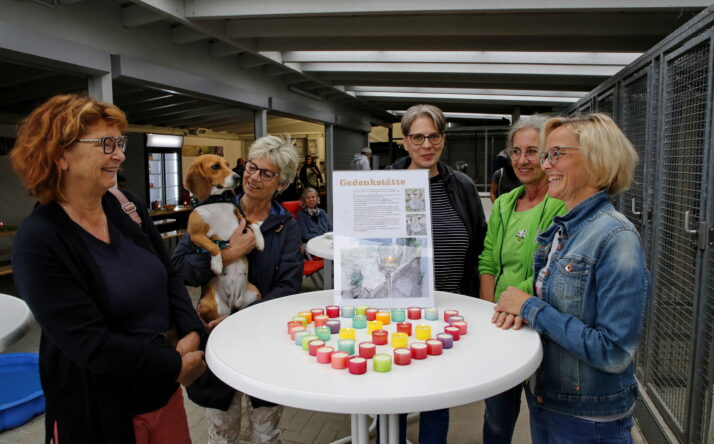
(100, 88)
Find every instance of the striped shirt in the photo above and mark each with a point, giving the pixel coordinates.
(450, 238)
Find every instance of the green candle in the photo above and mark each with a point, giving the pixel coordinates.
(323, 333)
(361, 309)
(306, 340)
(382, 363)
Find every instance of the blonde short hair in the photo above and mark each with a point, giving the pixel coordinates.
(280, 151)
(608, 154)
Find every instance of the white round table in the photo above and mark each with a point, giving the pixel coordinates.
(321, 246)
(252, 352)
(15, 320)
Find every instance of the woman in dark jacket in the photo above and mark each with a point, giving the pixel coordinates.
(108, 371)
(313, 220)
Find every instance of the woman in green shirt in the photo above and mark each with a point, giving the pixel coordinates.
(516, 220)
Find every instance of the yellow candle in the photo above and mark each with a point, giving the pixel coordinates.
(307, 315)
(348, 333)
(400, 340)
(384, 317)
(423, 332)
(301, 319)
(374, 325)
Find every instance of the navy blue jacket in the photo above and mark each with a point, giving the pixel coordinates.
(309, 227)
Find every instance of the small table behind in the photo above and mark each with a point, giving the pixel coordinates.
(15, 320)
(322, 246)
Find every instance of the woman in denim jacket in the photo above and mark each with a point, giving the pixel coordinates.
(590, 292)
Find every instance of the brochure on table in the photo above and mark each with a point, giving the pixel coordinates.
(382, 238)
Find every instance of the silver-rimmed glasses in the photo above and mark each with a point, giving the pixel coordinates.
(109, 143)
(418, 139)
(531, 154)
(265, 174)
(554, 153)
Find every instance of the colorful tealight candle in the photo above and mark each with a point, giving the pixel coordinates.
(299, 335)
(360, 309)
(456, 318)
(418, 350)
(314, 345)
(316, 311)
(373, 325)
(450, 313)
(320, 320)
(380, 337)
(453, 331)
(382, 363)
(423, 332)
(292, 324)
(431, 314)
(347, 346)
(301, 319)
(402, 356)
(306, 341)
(307, 315)
(434, 347)
(348, 333)
(357, 365)
(323, 333)
(324, 354)
(359, 321)
(400, 340)
(348, 311)
(371, 314)
(463, 326)
(295, 330)
(446, 340)
(414, 313)
(367, 349)
(405, 327)
(339, 360)
(384, 317)
(333, 325)
(399, 314)
(333, 311)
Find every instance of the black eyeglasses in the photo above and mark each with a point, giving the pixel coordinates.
(418, 139)
(265, 175)
(109, 143)
(531, 154)
(554, 153)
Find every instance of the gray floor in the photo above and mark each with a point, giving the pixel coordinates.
(298, 426)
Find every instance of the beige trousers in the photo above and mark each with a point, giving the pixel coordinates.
(224, 426)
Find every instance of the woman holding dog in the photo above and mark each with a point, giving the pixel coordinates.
(590, 289)
(276, 271)
(109, 371)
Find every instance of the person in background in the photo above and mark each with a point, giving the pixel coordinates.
(503, 181)
(100, 285)
(458, 228)
(313, 220)
(362, 160)
(507, 259)
(239, 170)
(276, 271)
(310, 174)
(590, 290)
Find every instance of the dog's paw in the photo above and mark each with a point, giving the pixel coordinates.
(217, 264)
(259, 241)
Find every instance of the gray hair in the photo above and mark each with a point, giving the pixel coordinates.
(536, 122)
(430, 111)
(307, 191)
(279, 151)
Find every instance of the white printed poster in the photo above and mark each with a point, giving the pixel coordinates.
(382, 238)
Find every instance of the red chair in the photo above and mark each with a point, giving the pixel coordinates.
(311, 267)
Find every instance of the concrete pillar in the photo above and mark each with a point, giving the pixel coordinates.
(100, 88)
(260, 123)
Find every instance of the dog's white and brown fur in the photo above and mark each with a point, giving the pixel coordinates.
(229, 290)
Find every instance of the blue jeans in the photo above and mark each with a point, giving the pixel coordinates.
(548, 427)
(433, 427)
(501, 415)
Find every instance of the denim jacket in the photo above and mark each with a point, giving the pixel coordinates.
(591, 314)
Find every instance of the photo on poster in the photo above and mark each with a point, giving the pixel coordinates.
(414, 200)
(416, 225)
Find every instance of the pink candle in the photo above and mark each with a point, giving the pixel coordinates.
(450, 313)
(333, 311)
(292, 324)
(324, 354)
(296, 329)
(314, 345)
(371, 314)
(402, 356)
(367, 350)
(357, 365)
(453, 331)
(380, 337)
(434, 347)
(405, 327)
(339, 360)
(414, 313)
(418, 350)
(463, 327)
(321, 320)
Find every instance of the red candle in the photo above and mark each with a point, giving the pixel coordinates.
(402, 356)
(314, 345)
(463, 326)
(418, 350)
(316, 311)
(339, 360)
(292, 324)
(367, 350)
(324, 354)
(371, 314)
(414, 313)
(380, 337)
(453, 331)
(357, 365)
(405, 327)
(433, 347)
(333, 311)
(450, 313)
(296, 329)
(321, 320)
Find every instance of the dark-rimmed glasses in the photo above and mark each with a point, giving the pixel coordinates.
(554, 153)
(418, 139)
(109, 143)
(265, 175)
(531, 154)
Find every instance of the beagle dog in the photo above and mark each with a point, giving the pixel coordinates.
(210, 224)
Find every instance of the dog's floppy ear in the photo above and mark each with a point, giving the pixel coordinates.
(196, 181)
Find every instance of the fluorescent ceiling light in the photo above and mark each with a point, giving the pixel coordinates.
(487, 116)
(467, 68)
(504, 92)
(500, 98)
(163, 141)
